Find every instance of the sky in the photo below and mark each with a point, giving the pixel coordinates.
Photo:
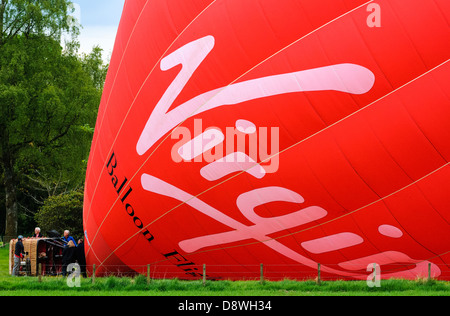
(100, 20)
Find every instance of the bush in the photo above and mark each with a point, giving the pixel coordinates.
(61, 212)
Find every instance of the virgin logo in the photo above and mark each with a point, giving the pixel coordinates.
(347, 78)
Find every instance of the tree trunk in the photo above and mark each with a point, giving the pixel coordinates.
(7, 161)
(11, 204)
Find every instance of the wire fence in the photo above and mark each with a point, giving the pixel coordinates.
(276, 272)
(261, 272)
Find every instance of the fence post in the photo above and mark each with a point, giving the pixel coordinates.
(261, 273)
(93, 274)
(204, 274)
(318, 274)
(148, 274)
(40, 273)
(429, 271)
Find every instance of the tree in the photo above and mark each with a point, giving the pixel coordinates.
(61, 212)
(50, 17)
(48, 102)
(93, 64)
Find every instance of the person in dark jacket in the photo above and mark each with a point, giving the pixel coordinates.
(19, 253)
(81, 258)
(69, 256)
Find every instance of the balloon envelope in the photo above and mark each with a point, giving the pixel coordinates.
(284, 133)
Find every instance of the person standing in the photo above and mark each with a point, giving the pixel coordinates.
(81, 258)
(37, 233)
(68, 238)
(69, 256)
(19, 254)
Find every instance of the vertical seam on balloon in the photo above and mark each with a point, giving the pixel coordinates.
(254, 67)
(442, 13)
(94, 146)
(286, 149)
(322, 185)
(432, 206)
(314, 109)
(390, 155)
(95, 255)
(423, 133)
(134, 100)
(367, 185)
(371, 55)
(406, 33)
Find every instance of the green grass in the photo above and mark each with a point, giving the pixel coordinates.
(114, 286)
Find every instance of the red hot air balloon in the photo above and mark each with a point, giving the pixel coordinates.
(285, 133)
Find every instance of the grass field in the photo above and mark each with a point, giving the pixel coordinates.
(114, 286)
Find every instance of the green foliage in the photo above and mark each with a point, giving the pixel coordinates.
(49, 98)
(93, 65)
(61, 212)
(126, 286)
(49, 17)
